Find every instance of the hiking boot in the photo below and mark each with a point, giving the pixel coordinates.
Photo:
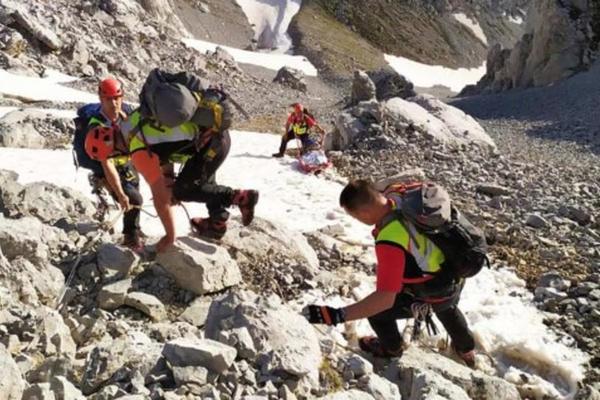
(134, 242)
(277, 155)
(372, 344)
(467, 357)
(209, 228)
(246, 200)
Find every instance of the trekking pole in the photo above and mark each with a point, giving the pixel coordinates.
(59, 301)
(88, 245)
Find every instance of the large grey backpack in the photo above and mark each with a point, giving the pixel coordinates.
(170, 98)
(428, 208)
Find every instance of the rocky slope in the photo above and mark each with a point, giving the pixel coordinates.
(424, 31)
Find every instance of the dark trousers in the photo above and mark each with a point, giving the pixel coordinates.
(197, 180)
(290, 135)
(131, 218)
(453, 320)
(130, 183)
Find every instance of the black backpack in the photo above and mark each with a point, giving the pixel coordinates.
(428, 208)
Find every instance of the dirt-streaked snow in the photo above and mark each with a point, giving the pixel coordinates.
(271, 18)
(267, 60)
(472, 25)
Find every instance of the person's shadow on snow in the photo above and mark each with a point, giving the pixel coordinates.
(249, 155)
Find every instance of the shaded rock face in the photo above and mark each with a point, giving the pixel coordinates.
(559, 41)
(274, 330)
(291, 78)
(389, 83)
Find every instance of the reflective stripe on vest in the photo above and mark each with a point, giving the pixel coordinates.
(427, 255)
(300, 129)
(152, 133)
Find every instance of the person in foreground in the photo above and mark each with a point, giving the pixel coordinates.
(188, 128)
(117, 175)
(406, 281)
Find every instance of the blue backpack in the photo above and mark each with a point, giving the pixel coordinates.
(84, 114)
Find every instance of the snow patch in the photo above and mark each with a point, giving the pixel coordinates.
(267, 60)
(300, 202)
(424, 75)
(505, 322)
(473, 25)
(516, 20)
(38, 89)
(270, 20)
(66, 114)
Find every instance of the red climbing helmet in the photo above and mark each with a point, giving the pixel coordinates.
(298, 108)
(110, 87)
(99, 142)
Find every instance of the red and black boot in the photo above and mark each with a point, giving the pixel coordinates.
(208, 228)
(372, 344)
(246, 200)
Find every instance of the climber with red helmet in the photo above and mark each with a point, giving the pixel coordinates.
(97, 127)
(299, 125)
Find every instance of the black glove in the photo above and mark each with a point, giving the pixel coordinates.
(324, 315)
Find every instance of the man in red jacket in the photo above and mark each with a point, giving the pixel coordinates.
(403, 286)
(298, 125)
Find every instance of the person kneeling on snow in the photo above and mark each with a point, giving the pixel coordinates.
(414, 277)
(299, 125)
(180, 122)
(117, 174)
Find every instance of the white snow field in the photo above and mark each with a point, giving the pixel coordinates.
(472, 25)
(266, 60)
(499, 308)
(48, 88)
(270, 20)
(424, 75)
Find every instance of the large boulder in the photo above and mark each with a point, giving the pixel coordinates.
(401, 113)
(29, 238)
(463, 127)
(23, 135)
(148, 304)
(283, 340)
(291, 78)
(199, 266)
(12, 383)
(253, 243)
(114, 360)
(363, 88)
(116, 262)
(347, 129)
(390, 83)
(42, 200)
(417, 365)
(207, 353)
(30, 283)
